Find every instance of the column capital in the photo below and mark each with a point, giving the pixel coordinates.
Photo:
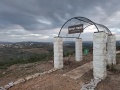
(78, 38)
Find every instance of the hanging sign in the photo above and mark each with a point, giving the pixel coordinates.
(75, 29)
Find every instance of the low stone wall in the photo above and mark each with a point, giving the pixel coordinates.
(22, 80)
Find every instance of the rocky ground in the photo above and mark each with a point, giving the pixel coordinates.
(15, 72)
(55, 80)
(112, 81)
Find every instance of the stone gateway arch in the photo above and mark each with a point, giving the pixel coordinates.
(104, 46)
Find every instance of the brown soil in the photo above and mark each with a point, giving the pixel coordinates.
(49, 82)
(112, 81)
(17, 71)
(55, 80)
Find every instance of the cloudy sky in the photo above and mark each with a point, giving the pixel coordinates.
(40, 20)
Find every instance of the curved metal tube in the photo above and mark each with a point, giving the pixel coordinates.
(84, 20)
(91, 22)
(104, 27)
(64, 25)
(83, 29)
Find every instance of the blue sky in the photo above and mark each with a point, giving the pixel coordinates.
(40, 20)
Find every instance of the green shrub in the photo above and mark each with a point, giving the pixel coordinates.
(27, 58)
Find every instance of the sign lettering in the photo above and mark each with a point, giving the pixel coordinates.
(75, 29)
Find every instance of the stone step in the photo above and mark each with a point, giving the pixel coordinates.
(79, 71)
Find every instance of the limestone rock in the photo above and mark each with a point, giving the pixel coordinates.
(91, 85)
(36, 75)
(7, 86)
(19, 81)
(1, 88)
(28, 77)
(11, 84)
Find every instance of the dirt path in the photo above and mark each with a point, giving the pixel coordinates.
(56, 80)
(17, 71)
(49, 82)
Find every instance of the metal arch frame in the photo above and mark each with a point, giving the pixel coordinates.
(92, 23)
(87, 21)
(80, 19)
(109, 32)
(84, 29)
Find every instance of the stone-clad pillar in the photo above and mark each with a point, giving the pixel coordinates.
(99, 55)
(58, 53)
(111, 50)
(78, 49)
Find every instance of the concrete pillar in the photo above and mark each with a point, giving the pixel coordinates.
(58, 53)
(78, 49)
(99, 55)
(111, 50)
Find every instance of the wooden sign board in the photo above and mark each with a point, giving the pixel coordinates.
(75, 29)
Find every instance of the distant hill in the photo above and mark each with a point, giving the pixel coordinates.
(24, 42)
(1, 42)
(65, 43)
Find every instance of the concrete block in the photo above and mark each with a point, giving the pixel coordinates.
(58, 59)
(58, 50)
(99, 46)
(111, 50)
(114, 59)
(58, 66)
(100, 75)
(99, 52)
(98, 58)
(99, 64)
(58, 55)
(57, 39)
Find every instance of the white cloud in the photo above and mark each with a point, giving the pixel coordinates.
(37, 20)
(113, 20)
(44, 21)
(54, 34)
(90, 29)
(43, 37)
(59, 17)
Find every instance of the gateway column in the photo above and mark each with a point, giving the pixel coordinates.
(78, 49)
(58, 53)
(111, 50)
(99, 55)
